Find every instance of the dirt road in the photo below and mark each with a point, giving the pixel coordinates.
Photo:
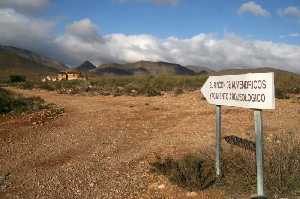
(101, 147)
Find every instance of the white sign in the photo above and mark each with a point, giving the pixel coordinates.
(252, 90)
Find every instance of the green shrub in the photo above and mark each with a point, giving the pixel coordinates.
(5, 99)
(281, 94)
(11, 102)
(190, 172)
(47, 86)
(178, 91)
(281, 168)
(17, 78)
(27, 85)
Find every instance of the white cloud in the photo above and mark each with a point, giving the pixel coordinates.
(82, 40)
(295, 34)
(22, 30)
(290, 11)
(202, 50)
(253, 8)
(25, 6)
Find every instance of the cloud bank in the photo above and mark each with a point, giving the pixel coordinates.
(290, 11)
(82, 41)
(25, 6)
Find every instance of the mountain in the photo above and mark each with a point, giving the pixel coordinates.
(24, 62)
(143, 68)
(200, 69)
(85, 66)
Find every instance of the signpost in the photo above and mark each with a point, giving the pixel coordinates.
(252, 90)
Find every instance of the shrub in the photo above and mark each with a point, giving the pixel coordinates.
(27, 85)
(11, 102)
(17, 78)
(50, 86)
(178, 91)
(190, 172)
(281, 166)
(5, 100)
(281, 94)
(281, 169)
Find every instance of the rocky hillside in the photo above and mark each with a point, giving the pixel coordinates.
(24, 62)
(143, 68)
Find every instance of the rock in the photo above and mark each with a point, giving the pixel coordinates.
(34, 123)
(162, 186)
(191, 194)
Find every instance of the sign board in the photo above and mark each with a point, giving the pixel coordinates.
(252, 90)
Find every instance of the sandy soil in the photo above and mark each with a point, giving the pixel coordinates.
(102, 146)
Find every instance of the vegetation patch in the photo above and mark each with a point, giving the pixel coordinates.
(286, 84)
(281, 166)
(11, 102)
(121, 85)
(190, 172)
(17, 78)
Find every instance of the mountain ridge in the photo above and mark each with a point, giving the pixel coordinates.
(25, 62)
(143, 68)
(85, 66)
(15, 60)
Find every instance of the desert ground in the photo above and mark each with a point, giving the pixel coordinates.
(102, 146)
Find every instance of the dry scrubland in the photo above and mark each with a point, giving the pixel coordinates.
(143, 147)
(287, 84)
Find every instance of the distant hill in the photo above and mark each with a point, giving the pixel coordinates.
(85, 66)
(142, 68)
(200, 69)
(24, 62)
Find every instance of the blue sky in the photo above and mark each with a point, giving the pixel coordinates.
(183, 19)
(216, 34)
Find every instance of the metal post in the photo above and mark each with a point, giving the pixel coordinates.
(218, 140)
(259, 153)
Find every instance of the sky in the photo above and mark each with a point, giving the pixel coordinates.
(216, 34)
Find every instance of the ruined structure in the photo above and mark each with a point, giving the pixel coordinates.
(65, 75)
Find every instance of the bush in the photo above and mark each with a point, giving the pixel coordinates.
(281, 94)
(178, 91)
(17, 78)
(5, 100)
(10, 102)
(26, 85)
(190, 172)
(281, 169)
(281, 166)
